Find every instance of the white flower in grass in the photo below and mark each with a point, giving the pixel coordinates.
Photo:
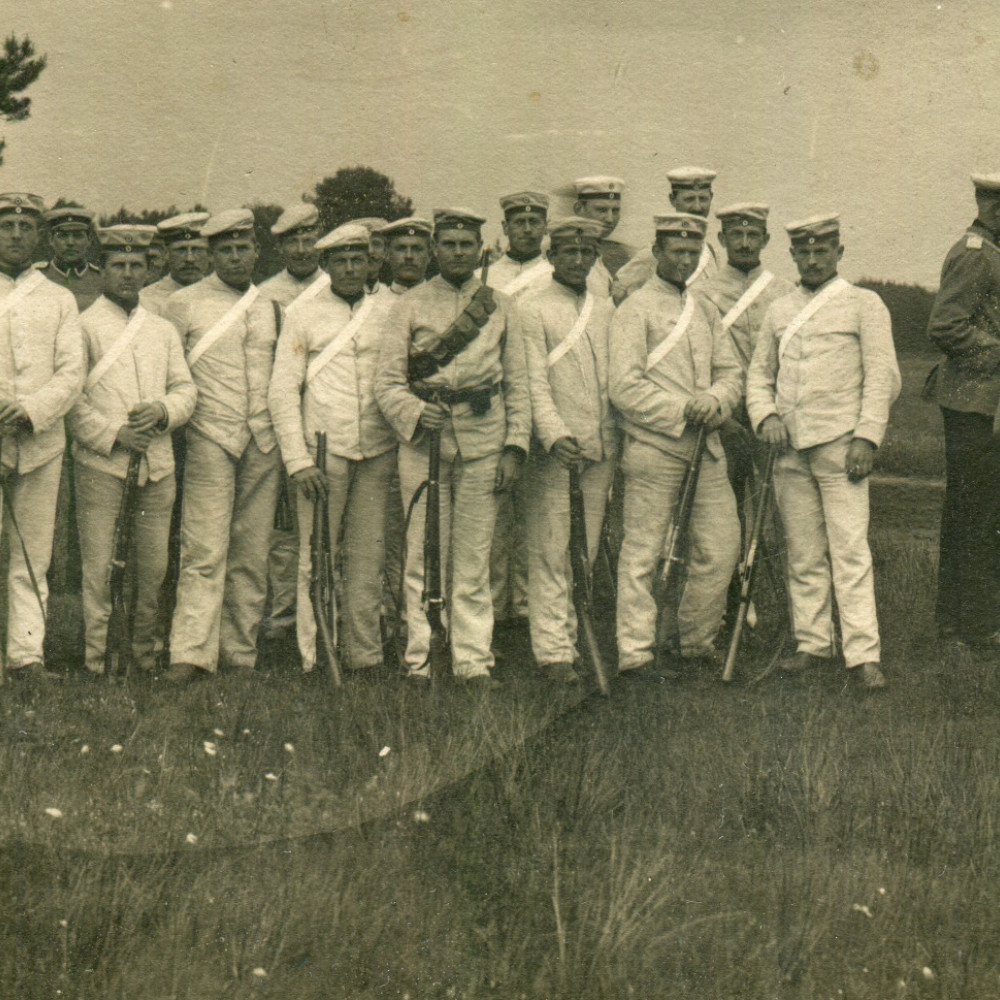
(385, 751)
(901, 983)
(260, 973)
(246, 732)
(85, 748)
(862, 909)
(881, 891)
(289, 748)
(928, 972)
(218, 732)
(210, 748)
(420, 816)
(191, 838)
(117, 748)
(53, 812)
(270, 776)
(64, 923)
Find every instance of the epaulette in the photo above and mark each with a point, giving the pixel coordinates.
(40, 265)
(93, 266)
(973, 242)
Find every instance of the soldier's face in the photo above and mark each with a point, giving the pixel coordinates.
(408, 258)
(572, 263)
(606, 211)
(817, 262)
(524, 232)
(348, 270)
(124, 274)
(18, 239)
(676, 258)
(156, 258)
(188, 262)
(69, 245)
(744, 244)
(457, 252)
(233, 257)
(696, 201)
(297, 253)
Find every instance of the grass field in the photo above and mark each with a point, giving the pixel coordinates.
(266, 836)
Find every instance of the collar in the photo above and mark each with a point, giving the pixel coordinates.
(576, 294)
(20, 274)
(307, 280)
(526, 260)
(810, 290)
(119, 307)
(399, 289)
(77, 272)
(471, 282)
(677, 290)
(219, 283)
(744, 277)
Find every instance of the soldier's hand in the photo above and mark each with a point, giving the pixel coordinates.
(507, 472)
(433, 417)
(13, 415)
(860, 459)
(774, 433)
(147, 417)
(312, 483)
(133, 440)
(567, 451)
(702, 408)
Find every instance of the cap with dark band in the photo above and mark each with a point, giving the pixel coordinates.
(125, 238)
(69, 218)
(227, 223)
(410, 226)
(349, 236)
(691, 177)
(813, 229)
(599, 188)
(184, 228)
(525, 203)
(21, 203)
(681, 224)
(575, 231)
(457, 218)
(742, 215)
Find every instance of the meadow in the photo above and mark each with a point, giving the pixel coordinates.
(265, 835)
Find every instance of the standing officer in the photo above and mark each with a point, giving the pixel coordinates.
(232, 466)
(187, 259)
(138, 390)
(600, 199)
(965, 326)
(323, 380)
(821, 381)
(566, 344)
(691, 192)
(473, 388)
(672, 369)
(298, 283)
(70, 234)
(521, 270)
(41, 374)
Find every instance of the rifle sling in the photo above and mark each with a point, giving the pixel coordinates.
(462, 332)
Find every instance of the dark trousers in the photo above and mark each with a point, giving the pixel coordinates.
(969, 568)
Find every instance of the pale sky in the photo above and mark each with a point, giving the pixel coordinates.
(879, 110)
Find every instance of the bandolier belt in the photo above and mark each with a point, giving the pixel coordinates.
(479, 397)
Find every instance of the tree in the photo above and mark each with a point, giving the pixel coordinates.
(356, 193)
(145, 217)
(18, 71)
(910, 309)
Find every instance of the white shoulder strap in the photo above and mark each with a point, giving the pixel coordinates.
(237, 311)
(20, 291)
(321, 281)
(810, 309)
(747, 299)
(118, 348)
(576, 332)
(341, 340)
(526, 277)
(669, 342)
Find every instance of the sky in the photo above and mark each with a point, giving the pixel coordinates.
(877, 110)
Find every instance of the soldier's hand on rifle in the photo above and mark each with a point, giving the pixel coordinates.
(13, 415)
(508, 470)
(312, 482)
(774, 433)
(567, 451)
(860, 459)
(703, 408)
(433, 417)
(148, 417)
(133, 440)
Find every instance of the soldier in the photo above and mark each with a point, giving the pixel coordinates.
(822, 378)
(600, 199)
(376, 257)
(566, 344)
(137, 391)
(298, 283)
(323, 381)
(70, 234)
(673, 369)
(473, 388)
(965, 326)
(187, 259)
(232, 467)
(691, 192)
(408, 252)
(156, 257)
(41, 374)
(521, 270)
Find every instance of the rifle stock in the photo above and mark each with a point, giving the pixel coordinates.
(321, 583)
(118, 645)
(749, 563)
(433, 596)
(583, 588)
(673, 575)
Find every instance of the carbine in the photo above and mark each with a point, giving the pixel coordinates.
(673, 575)
(748, 564)
(583, 582)
(118, 645)
(321, 589)
(433, 595)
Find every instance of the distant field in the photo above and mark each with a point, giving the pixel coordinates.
(914, 442)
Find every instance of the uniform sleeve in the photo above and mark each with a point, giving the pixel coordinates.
(260, 346)
(762, 374)
(181, 394)
(966, 281)
(637, 397)
(880, 369)
(89, 425)
(516, 397)
(284, 396)
(549, 425)
(392, 392)
(53, 400)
